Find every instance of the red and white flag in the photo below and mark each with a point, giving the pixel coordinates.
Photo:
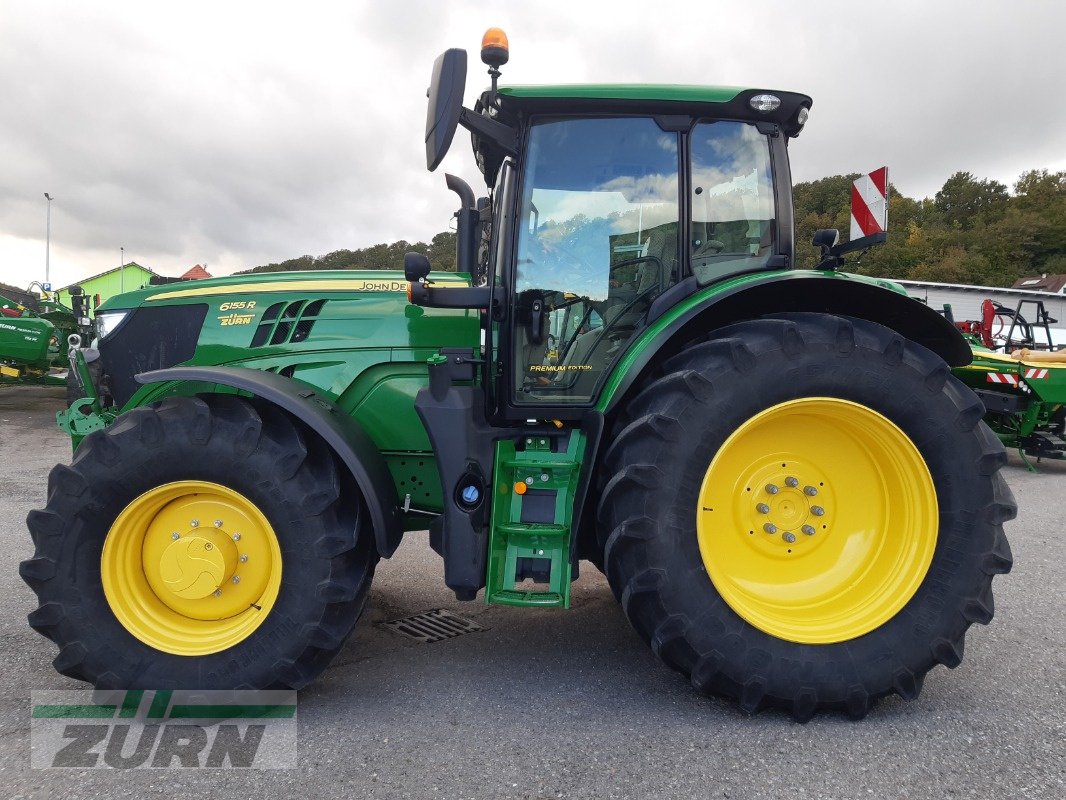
(869, 204)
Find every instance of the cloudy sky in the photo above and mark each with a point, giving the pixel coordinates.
(234, 134)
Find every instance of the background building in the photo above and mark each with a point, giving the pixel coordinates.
(196, 273)
(115, 281)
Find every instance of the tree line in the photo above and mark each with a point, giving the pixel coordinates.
(440, 251)
(973, 231)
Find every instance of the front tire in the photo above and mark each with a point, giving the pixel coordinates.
(199, 544)
(806, 513)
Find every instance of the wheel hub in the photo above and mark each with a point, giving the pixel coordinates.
(193, 567)
(787, 505)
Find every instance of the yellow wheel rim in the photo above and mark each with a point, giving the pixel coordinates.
(191, 568)
(817, 520)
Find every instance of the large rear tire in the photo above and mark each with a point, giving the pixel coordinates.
(199, 544)
(804, 512)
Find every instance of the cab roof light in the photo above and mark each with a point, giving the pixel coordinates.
(765, 103)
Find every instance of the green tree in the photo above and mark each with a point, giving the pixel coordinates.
(967, 202)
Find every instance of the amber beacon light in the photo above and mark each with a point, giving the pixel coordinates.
(494, 49)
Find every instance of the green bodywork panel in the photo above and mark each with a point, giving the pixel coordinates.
(626, 91)
(650, 339)
(1044, 381)
(24, 341)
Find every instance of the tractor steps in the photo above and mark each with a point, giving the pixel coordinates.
(532, 536)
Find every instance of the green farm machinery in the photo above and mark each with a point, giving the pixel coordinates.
(34, 339)
(1024, 386)
(795, 502)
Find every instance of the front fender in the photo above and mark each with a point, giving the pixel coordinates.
(341, 432)
(761, 294)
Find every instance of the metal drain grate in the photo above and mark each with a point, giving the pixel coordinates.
(432, 626)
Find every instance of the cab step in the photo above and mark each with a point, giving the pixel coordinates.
(531, 537)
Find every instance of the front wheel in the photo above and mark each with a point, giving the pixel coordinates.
(805, 512)
(199, 544)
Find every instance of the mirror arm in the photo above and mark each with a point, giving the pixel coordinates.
(428, 296)
(859, 244)
(504, 136)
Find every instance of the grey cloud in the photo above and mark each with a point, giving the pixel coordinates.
(248, 133)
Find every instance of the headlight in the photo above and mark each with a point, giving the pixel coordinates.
(107, 322)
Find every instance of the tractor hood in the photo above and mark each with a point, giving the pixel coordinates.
(314, 325)
(344, 281)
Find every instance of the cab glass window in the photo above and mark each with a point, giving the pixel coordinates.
(733, 225)
(597, 243)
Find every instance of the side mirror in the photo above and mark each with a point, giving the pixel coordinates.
(445, 104)
(826, 239)
(415, 267)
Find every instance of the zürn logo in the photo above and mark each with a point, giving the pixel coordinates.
(162, 729)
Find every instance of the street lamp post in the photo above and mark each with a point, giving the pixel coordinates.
(47, 236)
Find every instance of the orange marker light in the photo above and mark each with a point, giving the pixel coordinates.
(494, 47)
(520, 488)
(410, 292)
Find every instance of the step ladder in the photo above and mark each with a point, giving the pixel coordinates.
(534, 483)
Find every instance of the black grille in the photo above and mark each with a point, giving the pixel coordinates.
(152, 338)
(288, 326)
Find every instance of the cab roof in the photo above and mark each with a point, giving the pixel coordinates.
(626, 91)
(719, 102)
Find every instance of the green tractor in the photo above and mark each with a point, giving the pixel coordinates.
(794, 501)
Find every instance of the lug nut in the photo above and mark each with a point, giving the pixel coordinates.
(810, 491)
(789, 536)
(207, 545)
(175, 536)
(771, 489)
(236, 578)
(791, 482)
(817, 510)
(762, 508)
(808, 529)
(194, 523)
(236, 537)
(244, 557)
(218, 592)
(218, 523)
(769, 527)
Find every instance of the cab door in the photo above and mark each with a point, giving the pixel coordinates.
(597, 241)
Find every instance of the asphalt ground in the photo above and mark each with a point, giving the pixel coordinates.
(546, 704)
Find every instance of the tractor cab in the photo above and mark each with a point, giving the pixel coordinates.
(610, 204)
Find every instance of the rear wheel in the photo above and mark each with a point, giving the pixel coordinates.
(805, 512)
(199, 544)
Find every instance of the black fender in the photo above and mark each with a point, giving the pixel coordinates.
(838, 294)
(345, 435)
